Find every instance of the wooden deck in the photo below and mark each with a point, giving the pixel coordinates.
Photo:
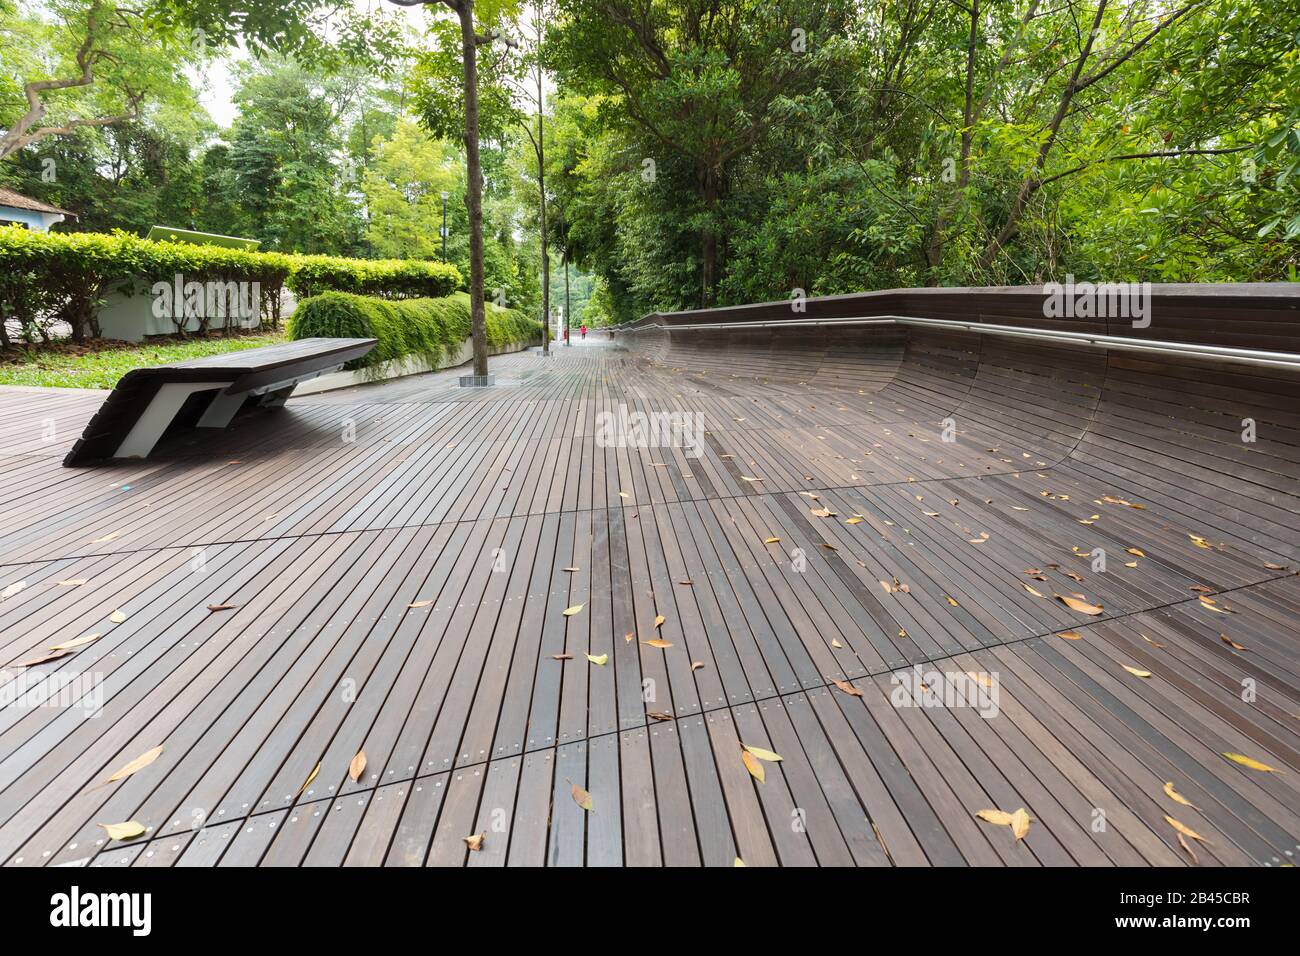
(399, 558)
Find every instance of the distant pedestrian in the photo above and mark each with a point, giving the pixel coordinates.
(584, 331)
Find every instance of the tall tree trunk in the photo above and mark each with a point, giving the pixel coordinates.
(474, 187)
(541, 190)
(709, 240)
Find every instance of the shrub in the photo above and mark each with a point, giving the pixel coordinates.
(45, 277)
(425, 328)
(385, 278)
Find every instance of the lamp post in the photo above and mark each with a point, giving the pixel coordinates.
(444, 225)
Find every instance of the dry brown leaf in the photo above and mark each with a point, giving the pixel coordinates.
(952, 602)
(1231, 643)
(1031, 590)
(358, 766)
(562, 657)
(117, 617)
(1083, 607)
(570, 611)
(659, 620)
(753, 765)
(997, 817)
(846, 687)
(1188, 847)
(762, 754)
(570, 570)
(138, 764)
(475, 842)
(419, 604)
(1135, 672)
(697, 665)
(629, 637)
(52, 656)
(835, 643)
(581, 797)
(659, 643)
(659, 715)
(771, 540)
(222, 607)
(1136, 551)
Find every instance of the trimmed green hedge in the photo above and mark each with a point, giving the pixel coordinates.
(427, 328)
(45, 277)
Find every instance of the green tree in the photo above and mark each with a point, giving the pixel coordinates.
(403, 187)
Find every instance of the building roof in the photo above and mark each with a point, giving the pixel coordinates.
(18, 201)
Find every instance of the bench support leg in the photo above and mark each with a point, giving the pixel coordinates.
(222, 410)
(149, 427)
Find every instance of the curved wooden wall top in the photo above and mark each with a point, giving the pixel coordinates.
(1167, 427)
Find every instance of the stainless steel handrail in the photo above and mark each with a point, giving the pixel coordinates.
(1286, 360)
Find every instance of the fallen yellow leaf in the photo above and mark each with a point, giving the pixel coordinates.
(123, 831)
(1251, 763)
(753, 766)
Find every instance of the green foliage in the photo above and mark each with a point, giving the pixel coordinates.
(862, 163)
(403, 185)
(386, 278)
(424, 328)
(46, 276)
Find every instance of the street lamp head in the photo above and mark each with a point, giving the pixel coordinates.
(444, 195)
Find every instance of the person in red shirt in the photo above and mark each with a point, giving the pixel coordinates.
(584, 331)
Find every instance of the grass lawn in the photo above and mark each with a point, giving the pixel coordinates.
(101, 364)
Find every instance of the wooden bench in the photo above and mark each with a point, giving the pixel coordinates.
(205, 392)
